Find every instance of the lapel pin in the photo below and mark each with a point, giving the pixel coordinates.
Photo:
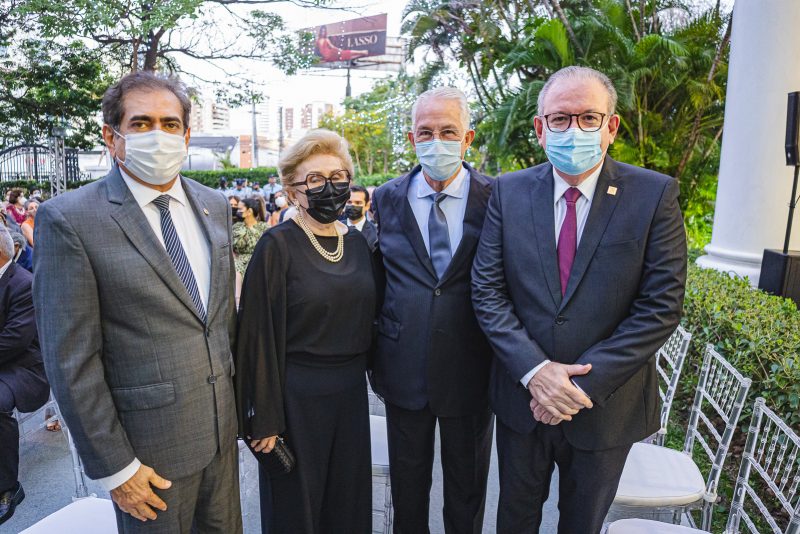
(612, 190)
(205, 210)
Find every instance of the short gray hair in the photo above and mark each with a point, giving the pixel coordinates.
(113, 103)
(319, 141)
(6, 244)
(443, 93)
(575, 72)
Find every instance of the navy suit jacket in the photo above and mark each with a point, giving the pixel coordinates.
(623, 299)
(430, 349)
(21, 367)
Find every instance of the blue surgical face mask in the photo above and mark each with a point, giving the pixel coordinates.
(573, 151)
(439, 159)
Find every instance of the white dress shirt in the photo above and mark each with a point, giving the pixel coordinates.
(358, 225)
(195, 245)
(582, 206)
(5, 267)
(454, 206)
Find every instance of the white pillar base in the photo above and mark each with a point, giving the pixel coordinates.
(733, 262)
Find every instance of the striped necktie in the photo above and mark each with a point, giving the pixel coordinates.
(178, 255)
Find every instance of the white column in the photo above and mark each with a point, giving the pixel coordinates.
(754, 181)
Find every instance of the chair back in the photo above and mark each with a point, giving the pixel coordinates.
(669, 363)
(721, 392)
(773, 453)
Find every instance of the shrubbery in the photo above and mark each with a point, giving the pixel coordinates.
(757, 332)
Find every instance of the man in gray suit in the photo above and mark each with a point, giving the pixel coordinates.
(578, 280)
(134, 302)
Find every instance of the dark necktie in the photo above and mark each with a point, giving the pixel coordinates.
(568, 238)
(178, 255)
(439, 236)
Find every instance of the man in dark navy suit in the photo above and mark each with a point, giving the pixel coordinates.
(578, 280)
(356, 215)
(22, 379)
(432, 360)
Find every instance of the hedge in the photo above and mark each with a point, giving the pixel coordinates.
(758, 333)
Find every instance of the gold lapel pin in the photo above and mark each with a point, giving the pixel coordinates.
(205, 210)
(612, 190)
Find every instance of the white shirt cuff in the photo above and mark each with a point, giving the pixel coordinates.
(121, 477)
(527, 378)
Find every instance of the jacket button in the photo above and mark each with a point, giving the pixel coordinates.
(437, 292)
(561, 320)
(211, 379)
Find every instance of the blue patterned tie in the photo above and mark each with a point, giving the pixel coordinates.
(177, 254)
(439, 236)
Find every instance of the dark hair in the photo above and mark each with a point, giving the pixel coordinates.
(360, 189)
(257, 205)
(235, 197)
(14, 195)
(114, 97)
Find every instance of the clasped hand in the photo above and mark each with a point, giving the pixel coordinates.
(554, 398)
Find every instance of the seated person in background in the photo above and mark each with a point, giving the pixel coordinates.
(23, 254)
(356, 213)
(23, 384)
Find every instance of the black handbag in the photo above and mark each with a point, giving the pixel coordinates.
(279, 461)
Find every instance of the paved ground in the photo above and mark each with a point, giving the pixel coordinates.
(46, 475)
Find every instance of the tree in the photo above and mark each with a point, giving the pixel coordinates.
(45, 84)
(150, 35)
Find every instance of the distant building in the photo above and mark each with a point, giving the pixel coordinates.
(208, 116)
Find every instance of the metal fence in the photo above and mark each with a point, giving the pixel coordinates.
(37, 163)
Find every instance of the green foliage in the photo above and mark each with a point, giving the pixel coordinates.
(211, 178)
(375, 124)
(757, 332)
(46, 84)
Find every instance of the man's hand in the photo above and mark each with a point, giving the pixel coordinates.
(542, 415)
(264, 445)
(136, 497)
(554, 393)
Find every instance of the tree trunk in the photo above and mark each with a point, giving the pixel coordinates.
(557, 8)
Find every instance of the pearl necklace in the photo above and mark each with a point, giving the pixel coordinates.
(332, 257)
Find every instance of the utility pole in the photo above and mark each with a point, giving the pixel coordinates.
(255, 132)
(280, 130)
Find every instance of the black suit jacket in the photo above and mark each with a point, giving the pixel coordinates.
(21, 367)
(623, 299)
(430, 349)
(371, 234)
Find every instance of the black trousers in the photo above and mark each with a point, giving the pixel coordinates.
(204, 502)
(9, 439)
(466, 446)
(327, 427)
(588, 480)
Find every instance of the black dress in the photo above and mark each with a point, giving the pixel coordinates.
(305, 326)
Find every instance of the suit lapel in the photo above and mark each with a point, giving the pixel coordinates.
(543, 210)
(133, 223)
(603, 206)
(7, 276)
(203, 214)
(409, 223)
(478, 195)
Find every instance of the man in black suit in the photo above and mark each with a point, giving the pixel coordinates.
(356, 215)
(432, 360)
(22, 379)
(578, 279)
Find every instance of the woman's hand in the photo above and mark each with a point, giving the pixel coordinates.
(264, 445)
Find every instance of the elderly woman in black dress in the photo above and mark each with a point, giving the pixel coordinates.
(307, 308)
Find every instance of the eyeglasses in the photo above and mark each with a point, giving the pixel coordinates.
(314, 181)
(588, 122)
(448, 134)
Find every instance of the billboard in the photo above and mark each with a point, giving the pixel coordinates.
(350, 40)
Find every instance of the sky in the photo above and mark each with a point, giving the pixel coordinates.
(312, 84)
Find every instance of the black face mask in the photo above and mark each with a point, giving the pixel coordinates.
(326, 205)
(354, 213)
(235, 214)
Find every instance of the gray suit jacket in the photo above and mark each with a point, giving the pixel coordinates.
(133, 368)
(623, 299)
